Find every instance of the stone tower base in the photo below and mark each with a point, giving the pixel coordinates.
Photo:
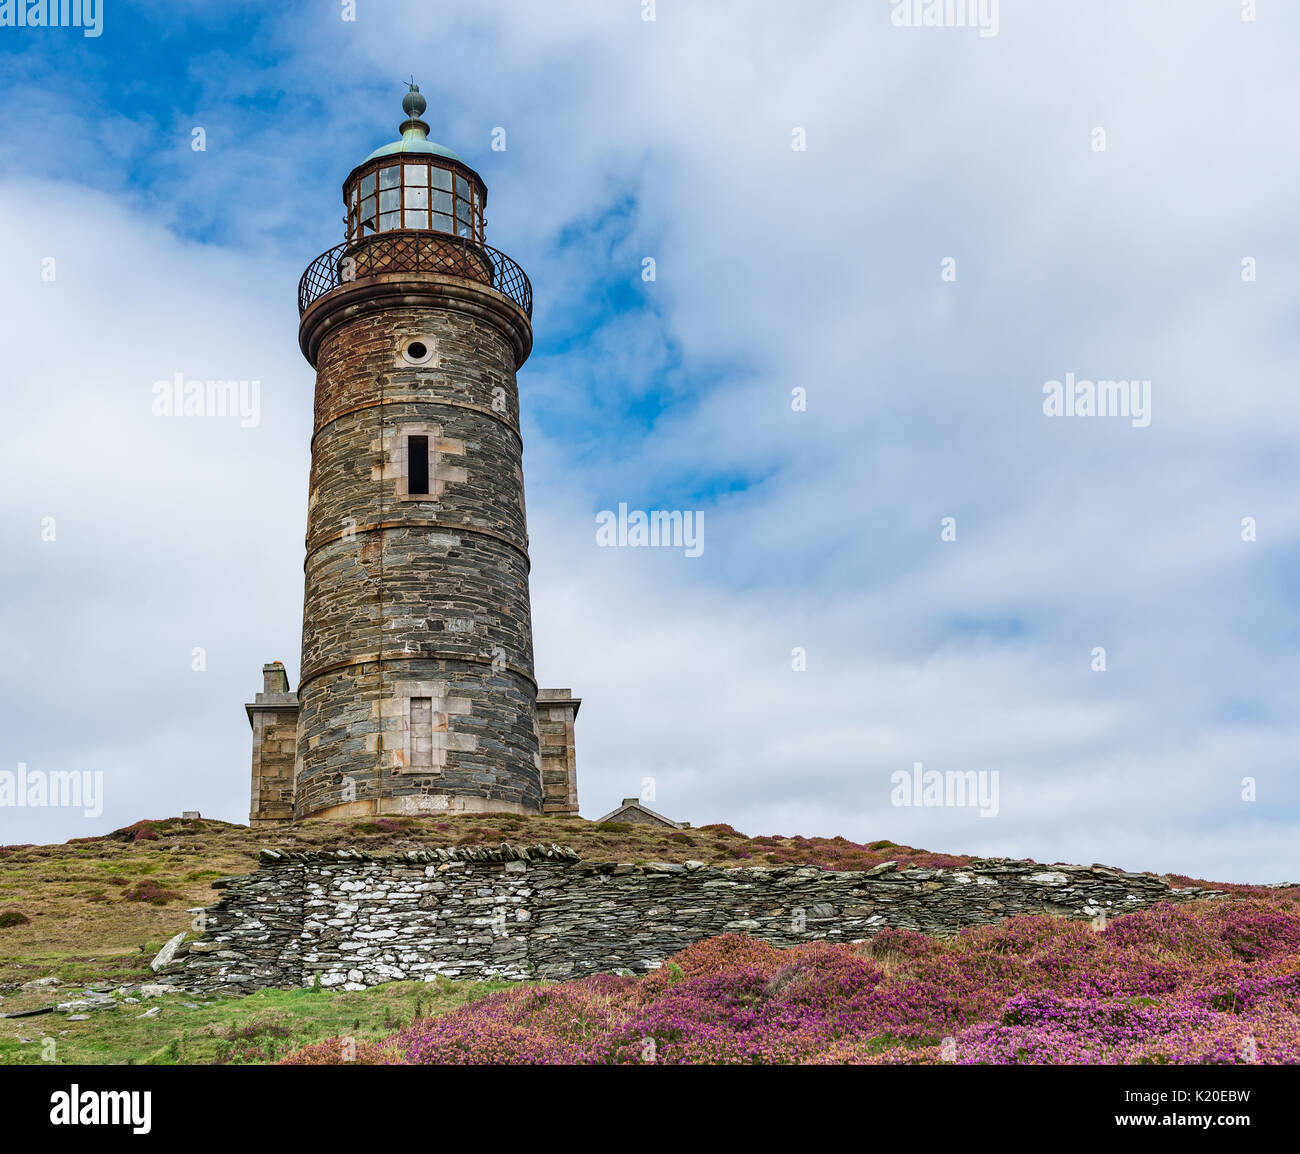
(274, 718)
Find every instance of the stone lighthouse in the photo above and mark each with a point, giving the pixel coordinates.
(416, 691)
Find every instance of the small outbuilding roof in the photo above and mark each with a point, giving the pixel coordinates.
(630, 808)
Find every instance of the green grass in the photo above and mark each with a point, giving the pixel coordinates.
(259, 1028)
(82, 926)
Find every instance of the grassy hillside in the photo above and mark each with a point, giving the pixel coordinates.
(97, 909)
(263, 1027)
(92, 913)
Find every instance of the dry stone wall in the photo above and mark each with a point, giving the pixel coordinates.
(353, 919)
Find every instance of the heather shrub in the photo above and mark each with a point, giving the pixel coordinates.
(136, 831)
(338, 1052)
(891, 946)
(1211, 982)
(151, 892)
(1254, 931)
(722, 829)
(725, 952)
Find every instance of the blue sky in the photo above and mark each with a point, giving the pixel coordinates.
(776, 270)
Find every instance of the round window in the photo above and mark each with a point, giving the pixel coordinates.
(418, 351)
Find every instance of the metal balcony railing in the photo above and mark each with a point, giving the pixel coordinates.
(415, 251)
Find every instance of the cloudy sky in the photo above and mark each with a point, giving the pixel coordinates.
(916, 227)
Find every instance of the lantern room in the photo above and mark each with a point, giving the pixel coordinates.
(414, 184)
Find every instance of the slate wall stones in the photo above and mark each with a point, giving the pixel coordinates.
(351, 919)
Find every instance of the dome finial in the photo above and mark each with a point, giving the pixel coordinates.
(413, 104)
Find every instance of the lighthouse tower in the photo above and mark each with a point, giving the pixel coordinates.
(416, 691)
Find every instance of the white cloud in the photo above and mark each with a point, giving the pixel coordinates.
(775, 269)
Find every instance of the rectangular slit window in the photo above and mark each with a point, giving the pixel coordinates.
(417, 465)
(421, 732)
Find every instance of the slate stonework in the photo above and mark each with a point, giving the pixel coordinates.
(410, 597)
(416, 689)
(351, 919)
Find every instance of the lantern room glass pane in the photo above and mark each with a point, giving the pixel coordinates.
(442, 222)
(388, 177)
(388, 200)
(415, 174)
(462, 210)
(441, 178)
(416, 218)
(389, 221)
(464, 230)
(367, 184)
(462, 187)
(442, 202)
(352, 199)
(368, 209)
(416, 197)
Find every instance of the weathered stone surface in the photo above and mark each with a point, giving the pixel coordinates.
(165, 956)
(416, 687)
(556, 711)
(273, 715)
(80, 1005)
(353, 919)
(157, 990)
(417, 691)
